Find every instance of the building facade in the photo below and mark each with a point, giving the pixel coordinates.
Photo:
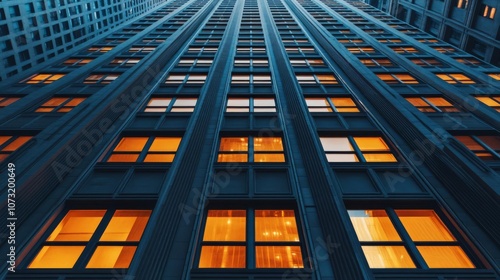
(34, 33)
(472, 26)
(254, 139)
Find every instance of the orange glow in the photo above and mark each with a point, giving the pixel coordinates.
(123, 158)
(4, 139)
(424, 225)
(387, 257)
(131, 144)
(445, 257)
(269, 158)
(379, 157)
(165, 144)
(278, 257)
(126, 225)
(77, 225)
(232, 158)
(57, 257)
(112, 257)
(373, 225)
(371, 144)
(222, 257)
(234, 144)
(159, 158)
(18, 142)
(275, 225)
(225, 225)
(268, 144)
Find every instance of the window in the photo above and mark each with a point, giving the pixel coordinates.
(186, 78)
(361, 49)
(495, 76)
(331, 104)
(356, 149)
(43, 78)
(251, 104)
(195, 62)
(251, 63)
(60, 104)
(444, 49)
(426, 62)
(462, 4)
(307, 62)
(100, 49)
(488, 11)
(455, 78)
(6, 101)
(398, 78)
(145, 149)
(124, 62)
(170, 104)
(431, 104)
(141, 49)
(404, 49)
(492, 101)
(77, 61)
(100, 78)
(324, 79)
(275, 242)
(486, 147)
(400, 238)
(9, 144)
(251, 79)
(377, 62)
(261, 149)
(111, 235)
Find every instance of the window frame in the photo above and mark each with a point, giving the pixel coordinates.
(251, 108)
(61, 106)
(9, 141)
(357, 152)
(144, 152)
(250, 151)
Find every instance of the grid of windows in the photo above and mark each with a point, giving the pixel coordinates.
(486, 147)
(275, 241)
(455, 78)
(145, 149)
(250, 104)
(43, 78)
(9, 144)
(357, 149)
(60, 104)
(170, 104)
(331, 104)
(407, 238)
(431, 104)
(251, 149)
(112, 235)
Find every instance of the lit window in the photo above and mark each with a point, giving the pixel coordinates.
(488, 11)
(331, 104)
(382, 235)
(9, 144)
(276, 239)
(324, 79)
(356, 149)
(444, 49)
(77, 231)
(426, 62)
(257, 105)
(389, 41)
(257, 79)
(60, 104)
(486, 147)
(431, 104)
(170, 104)
(124, 62)
(455, 78)
(361, 49)
(495, 76)
(6, 101)
(404, 49)
(100, 49)
(261, 149)
(398, 78)
(493, 101)
(145, 149)
(462, 4)
(377, 62)
(77, 61)
(101, 78)
(43, 78)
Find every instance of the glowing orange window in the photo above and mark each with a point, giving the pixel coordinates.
(332, 104)
(262, 149)
(43, 78)
(382, 234)
(114, 248)
(492, 101)
(60, 104)
(495, 76)
(6, 101)
(398, 78)
(9, 144)
(455, 78)
(356, 149)
(145, 149)
(432, 104)
(486, 147)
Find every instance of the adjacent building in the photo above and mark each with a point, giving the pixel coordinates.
(253, 139)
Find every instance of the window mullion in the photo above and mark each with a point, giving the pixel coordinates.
(250, 238)
(145, 149)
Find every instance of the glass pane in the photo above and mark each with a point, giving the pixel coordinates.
(159, 102)
(222, 257)
(278, 257)
(165, 144)
(424, 225)
(470, 143)
(185, 102)
(159, 158)
(342, 158)
(336, 144)
(268, 144)
(232, 158)
(56, 101)
(123, 158)
(439, 101)
(317, 102)
(342, 101)
(275, 225)
(382, 157)
(131, 144)
(4, 139)
(263, 102)
(371, 144)
(225, 225)
(269, 158)
(77, 225)
(445, 257)
(112, 257)
(373, 225)
(387, 257)
(14, 145)
(126, 225)
(491, 141)
(417, 101)
(239, 102)
(487, 100)
(75, 102)
(234, 144)
(57, 257)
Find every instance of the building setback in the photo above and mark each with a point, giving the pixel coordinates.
(254, 139)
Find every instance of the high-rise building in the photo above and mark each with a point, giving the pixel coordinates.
(254, 139)
(470, 25)
(35, 33)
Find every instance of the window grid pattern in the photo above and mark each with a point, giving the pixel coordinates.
(357, 149)
(154, 149)
(60, 104)
(251, 149)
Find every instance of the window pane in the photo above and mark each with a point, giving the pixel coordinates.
(379, 157)
(159, 158)
(269, 158)
(371, 144)
(131, 144)
(373, 225)
(470, 143)
(336, 144)
(157, 102)
(225, 225)
(317, 102)
(77, 225)
(239, 102)
(268, 144)
(55, 101)
(342, 158)
(278, 257)
(123, 158)
(387, 257)
(491, 141)
(57, 257)
(275, 225)
(14, 145)
(185, 102)
(234, 144)
(112, 257)
(222, 257)
(126, 225)
(165, 144)
(424, 225)
(445, 257)
(232, 158)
